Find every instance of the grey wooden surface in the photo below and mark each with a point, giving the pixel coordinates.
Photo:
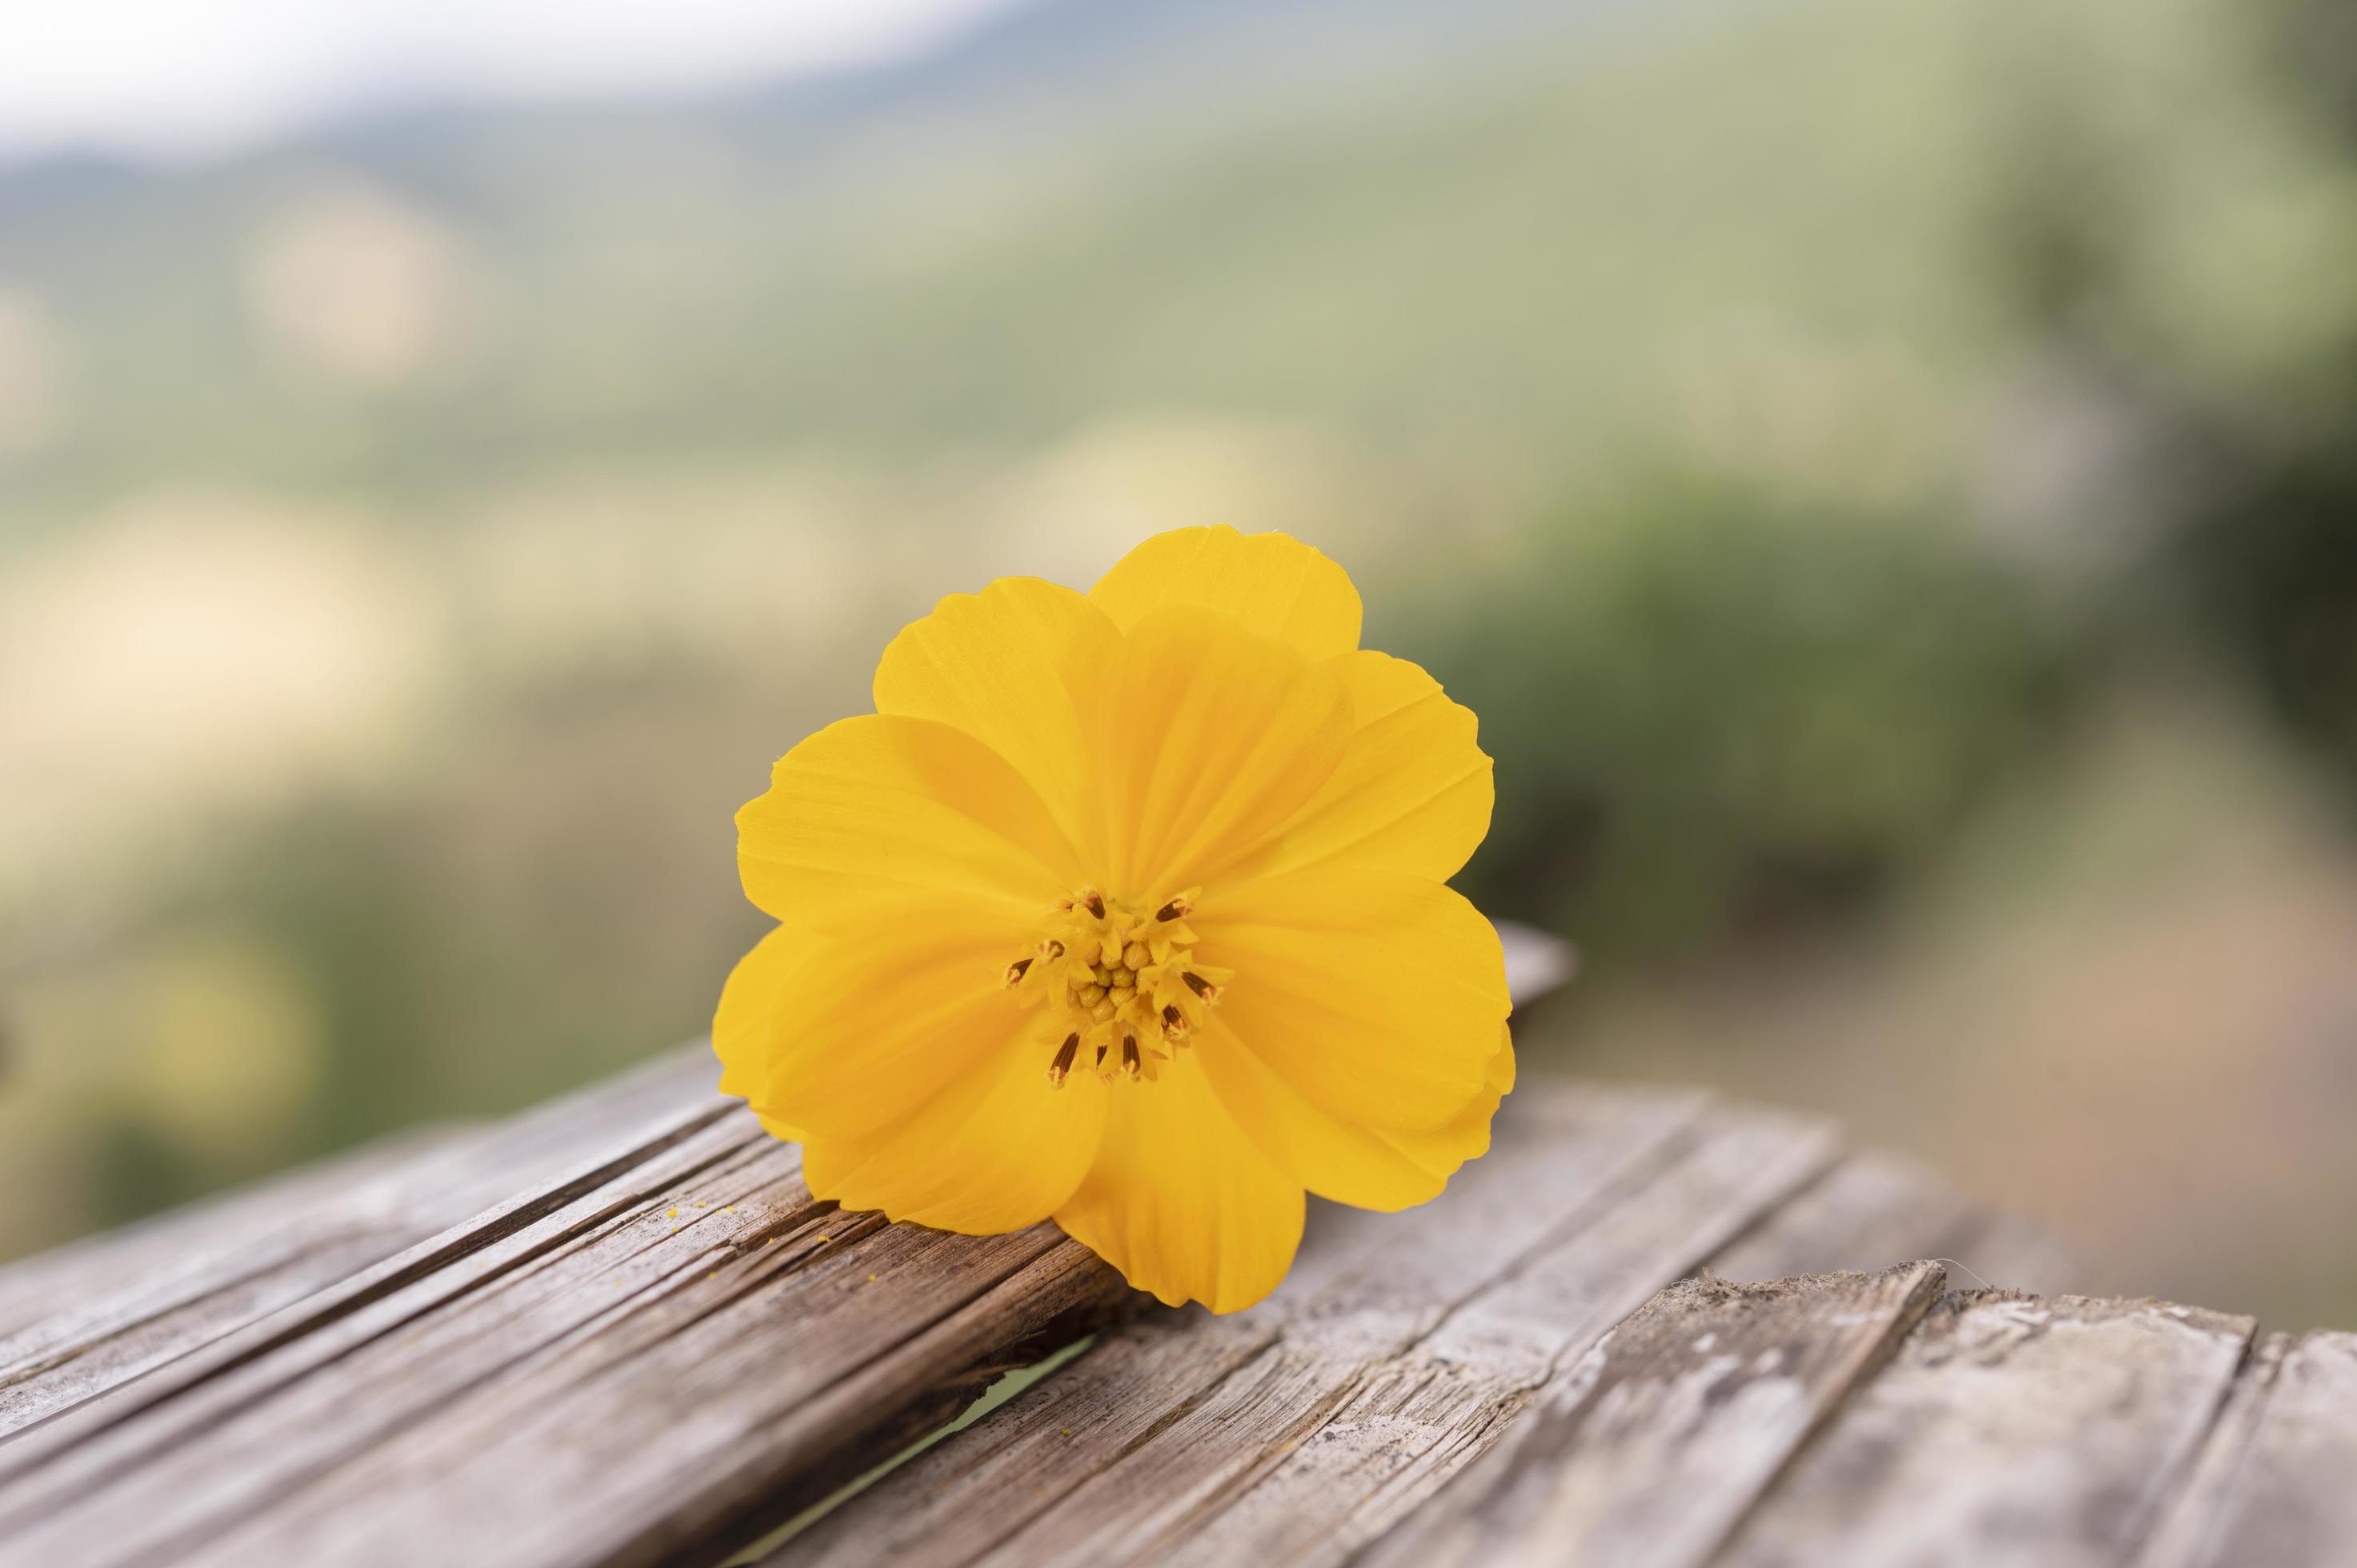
(1650, 1327)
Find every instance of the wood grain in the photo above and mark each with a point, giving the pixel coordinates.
(615, 1330)
(1665, 1432)
(2274, 1487)
(492, 1394)
(621, 1330)
(1302, 1432)
(78, 1322)
(2007, 1428)
(90, 1318)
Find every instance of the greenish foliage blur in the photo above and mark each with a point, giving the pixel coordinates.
(1690, 749)
(2265, 557)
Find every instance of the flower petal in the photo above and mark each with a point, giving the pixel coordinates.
(1181, 1201)
(882, 817)
(783, 1131)
(862, 1033)
(1367, 1167)
(747, 1014)
(997, 1148)
(1271, 583)
(1209, 737)
(1411, 792)
(1375, 994)
(1009, 666)
(911, 1079)
(1466, 1135)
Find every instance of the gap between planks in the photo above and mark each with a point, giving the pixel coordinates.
(1156, 1447)
(539, 1311)
(2272, 1484)
(1416, 1365)
(141, 1297)
(1402, 1346)
(103, 1313)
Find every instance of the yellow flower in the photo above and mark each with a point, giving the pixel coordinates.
(1129, 909)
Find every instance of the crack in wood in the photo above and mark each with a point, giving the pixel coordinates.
(668, 1347)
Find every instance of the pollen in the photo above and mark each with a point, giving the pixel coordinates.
(1119, 984)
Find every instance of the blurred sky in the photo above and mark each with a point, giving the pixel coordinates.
(166, 80)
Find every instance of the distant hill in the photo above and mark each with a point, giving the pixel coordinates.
(1536, 229)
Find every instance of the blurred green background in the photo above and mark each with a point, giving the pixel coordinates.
(1884, 471)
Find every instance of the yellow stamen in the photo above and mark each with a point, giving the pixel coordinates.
(1107, 973)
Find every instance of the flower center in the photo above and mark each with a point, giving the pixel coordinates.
(1119, 981)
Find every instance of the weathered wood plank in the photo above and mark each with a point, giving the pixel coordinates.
(1302, 1432)
(2006, 1430)
(2274, 1486)
(1667, 1431)
(594, 1373)
(235, 1226)
(1543, 1495)
(1368, 1424)
(91, 1317)
(412, 1173)
(1389, 1275)
(656, 1344)
(1537, 963)
(485, 1258)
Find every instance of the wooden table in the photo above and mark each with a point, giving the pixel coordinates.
(619, 1330)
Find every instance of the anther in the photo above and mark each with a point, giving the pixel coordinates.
(1112, 977)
